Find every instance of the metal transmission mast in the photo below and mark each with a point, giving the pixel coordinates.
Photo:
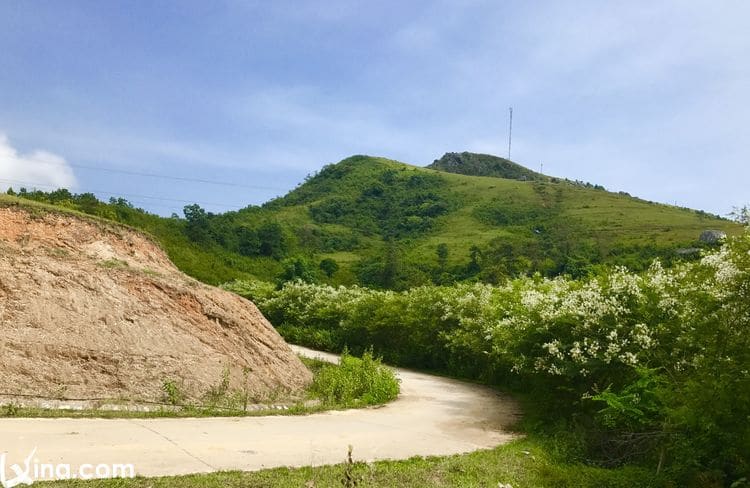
(510, 131)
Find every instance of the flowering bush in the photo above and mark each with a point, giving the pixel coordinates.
(662, 355)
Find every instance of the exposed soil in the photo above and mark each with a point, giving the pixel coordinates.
(92, 310)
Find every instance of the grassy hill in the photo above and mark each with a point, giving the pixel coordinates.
(383, 223)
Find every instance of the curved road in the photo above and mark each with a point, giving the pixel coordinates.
(432, 416)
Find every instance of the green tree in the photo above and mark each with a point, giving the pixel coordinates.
(391, 265)
(329, 267)
(272, 240)
(442, 255)
(386, 270)
(248, 242)
(120, 202)
(297, 269)
(87, 202)
(63, 194)
(741, 215)
(475, 261)
(197, 222)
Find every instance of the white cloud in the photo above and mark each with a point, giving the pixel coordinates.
(648, 97)
(39, 168)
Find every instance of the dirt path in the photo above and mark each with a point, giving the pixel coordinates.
(432, 416)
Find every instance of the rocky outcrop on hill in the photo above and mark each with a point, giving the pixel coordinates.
(473, 164)
(712, 236)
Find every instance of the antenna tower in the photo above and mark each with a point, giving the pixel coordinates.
(510, 131)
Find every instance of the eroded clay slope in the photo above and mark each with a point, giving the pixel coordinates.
(91, 310)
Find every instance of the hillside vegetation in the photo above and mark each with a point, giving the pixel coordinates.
(621, 368)
(385, 224)
(643, 368)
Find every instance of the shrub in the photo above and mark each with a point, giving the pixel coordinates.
(356, 381)
(253, 290)
(172, 392)
(651, 366)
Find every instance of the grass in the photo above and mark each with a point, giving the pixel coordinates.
(533, 461)
(605, 219)
(356, 382)
(525, 463)
(583, 216)
(328, 378)
(114, 264)
(609, 216)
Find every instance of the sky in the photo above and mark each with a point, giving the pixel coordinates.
(237, 101)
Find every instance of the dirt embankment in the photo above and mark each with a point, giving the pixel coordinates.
(91, 310)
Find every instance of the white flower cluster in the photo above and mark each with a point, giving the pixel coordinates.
(559, 326)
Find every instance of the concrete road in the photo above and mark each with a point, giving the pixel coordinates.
(432, 416)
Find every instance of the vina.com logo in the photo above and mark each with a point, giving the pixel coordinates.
(31, 470)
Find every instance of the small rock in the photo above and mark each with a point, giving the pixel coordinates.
(712, 236)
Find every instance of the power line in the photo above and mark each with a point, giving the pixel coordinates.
(115, 194)
(166, 177)
(36, 186)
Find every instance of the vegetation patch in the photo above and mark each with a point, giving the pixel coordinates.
(114, 264)
(525, 463)
(354, 383)
(643, 368)
(376, 222)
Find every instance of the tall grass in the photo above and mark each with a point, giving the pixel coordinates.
(356, 382)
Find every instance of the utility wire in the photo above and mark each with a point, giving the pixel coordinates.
(115, 194)
(166, 177)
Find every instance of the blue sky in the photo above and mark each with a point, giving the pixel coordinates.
(649, 97)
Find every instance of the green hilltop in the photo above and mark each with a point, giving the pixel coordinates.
(382, 223)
